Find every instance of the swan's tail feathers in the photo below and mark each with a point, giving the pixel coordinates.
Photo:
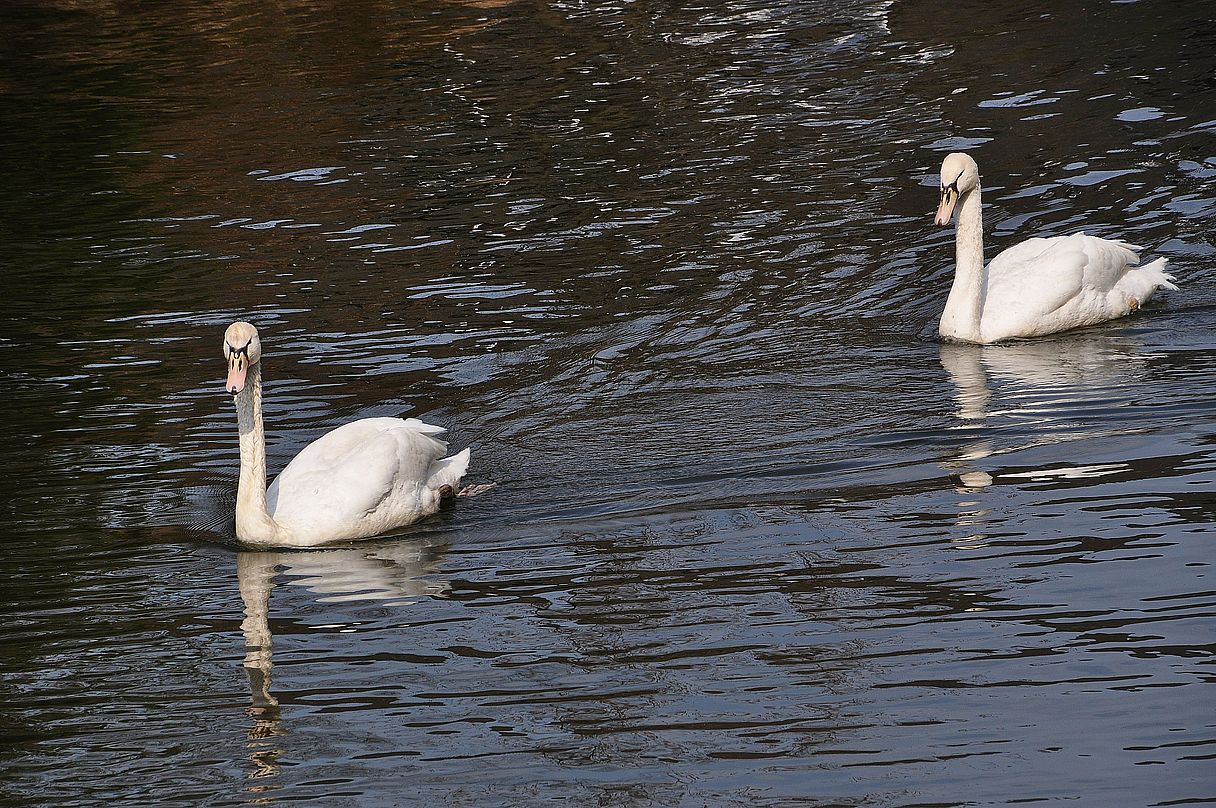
(446, 473)
(1131, 252)
(1154, 271)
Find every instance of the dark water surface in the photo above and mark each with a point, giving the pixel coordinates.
(758, 539)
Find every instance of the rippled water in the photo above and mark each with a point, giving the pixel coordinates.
(757, 538)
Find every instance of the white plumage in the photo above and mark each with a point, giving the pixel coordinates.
(1039, 286)
(362, 479)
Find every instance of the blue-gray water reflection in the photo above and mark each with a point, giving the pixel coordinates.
(670, 270)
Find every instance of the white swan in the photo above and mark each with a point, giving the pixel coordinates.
(361, 479)
(1037, 287)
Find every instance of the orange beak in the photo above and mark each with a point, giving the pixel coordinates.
(945, 208)
(238, 366)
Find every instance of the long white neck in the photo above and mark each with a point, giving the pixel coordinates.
(253, 524)
(965, 306)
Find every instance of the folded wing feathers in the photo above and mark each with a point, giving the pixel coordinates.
(424, 427)
(448, 471)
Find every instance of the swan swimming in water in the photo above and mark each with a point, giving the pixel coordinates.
(361, 479)
(1039, 286)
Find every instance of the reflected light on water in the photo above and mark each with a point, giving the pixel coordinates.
(669, 270)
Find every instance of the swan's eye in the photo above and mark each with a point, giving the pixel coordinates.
(235, 355)
(953, 187)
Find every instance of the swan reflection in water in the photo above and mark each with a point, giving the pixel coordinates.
(1037, 392)
(394, 573)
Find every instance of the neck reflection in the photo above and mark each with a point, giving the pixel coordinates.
(1013, 397)
(396, 573)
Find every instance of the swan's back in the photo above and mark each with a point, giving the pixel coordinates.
(1044, 285)
(362, 478)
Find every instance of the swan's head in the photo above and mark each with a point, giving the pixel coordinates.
(242, 349)
(960, 174)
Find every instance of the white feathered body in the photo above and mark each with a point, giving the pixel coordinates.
(1044, 285)
(364, 478)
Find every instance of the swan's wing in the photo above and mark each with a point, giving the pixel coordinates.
(1107, 261)
(1046, 285)
(1102, 262)
(1034, 278)
(348, 473)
